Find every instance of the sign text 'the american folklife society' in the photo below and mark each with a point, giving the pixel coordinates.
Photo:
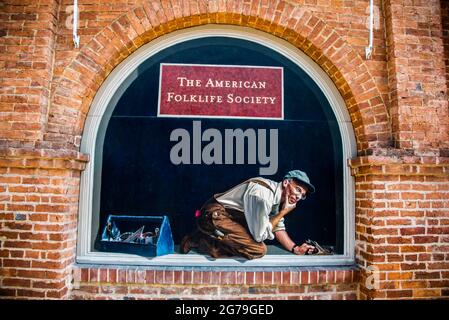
(221, 91)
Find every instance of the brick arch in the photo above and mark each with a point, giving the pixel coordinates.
(76, 88)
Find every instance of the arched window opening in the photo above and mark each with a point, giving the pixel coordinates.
(132, 172)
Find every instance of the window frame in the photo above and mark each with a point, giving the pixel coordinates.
(100, 113)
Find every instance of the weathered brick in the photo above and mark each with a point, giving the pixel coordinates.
(396, 100)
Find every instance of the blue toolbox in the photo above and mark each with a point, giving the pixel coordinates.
(142, 235)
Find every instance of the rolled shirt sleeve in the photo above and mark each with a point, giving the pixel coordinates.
(280, 226)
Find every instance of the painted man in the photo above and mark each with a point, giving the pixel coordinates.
(236, 222)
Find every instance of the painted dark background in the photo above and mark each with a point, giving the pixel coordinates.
(138, 177)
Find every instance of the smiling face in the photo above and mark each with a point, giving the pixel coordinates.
(292, 191)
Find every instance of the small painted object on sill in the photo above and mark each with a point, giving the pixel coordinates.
(142, 235)
(319, 250)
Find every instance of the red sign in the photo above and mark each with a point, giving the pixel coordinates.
(220, 91)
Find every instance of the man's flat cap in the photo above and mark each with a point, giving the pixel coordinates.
(302, 178)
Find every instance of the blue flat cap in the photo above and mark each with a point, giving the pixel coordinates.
(302, 178)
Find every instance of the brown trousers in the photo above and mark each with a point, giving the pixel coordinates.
(237, 240)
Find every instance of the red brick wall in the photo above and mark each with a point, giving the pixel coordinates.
(417, 77)
(402, 223)
(445, 24)
(27, 50)
(139, 283)
(38, 216)
(397, 102)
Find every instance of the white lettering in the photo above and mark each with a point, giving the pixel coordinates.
(211, 83)
(186, 310)
(183, 81)
(191, 151)
(199, 98)
(231, 98)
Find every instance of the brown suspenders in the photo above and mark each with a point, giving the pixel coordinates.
(262, 183)
(255, 180)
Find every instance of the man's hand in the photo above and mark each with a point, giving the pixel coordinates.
(288, 206)
(303, 249)
(286, 209)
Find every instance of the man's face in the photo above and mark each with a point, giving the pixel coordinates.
(293, 191)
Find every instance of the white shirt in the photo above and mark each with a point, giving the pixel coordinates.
(258, 203)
